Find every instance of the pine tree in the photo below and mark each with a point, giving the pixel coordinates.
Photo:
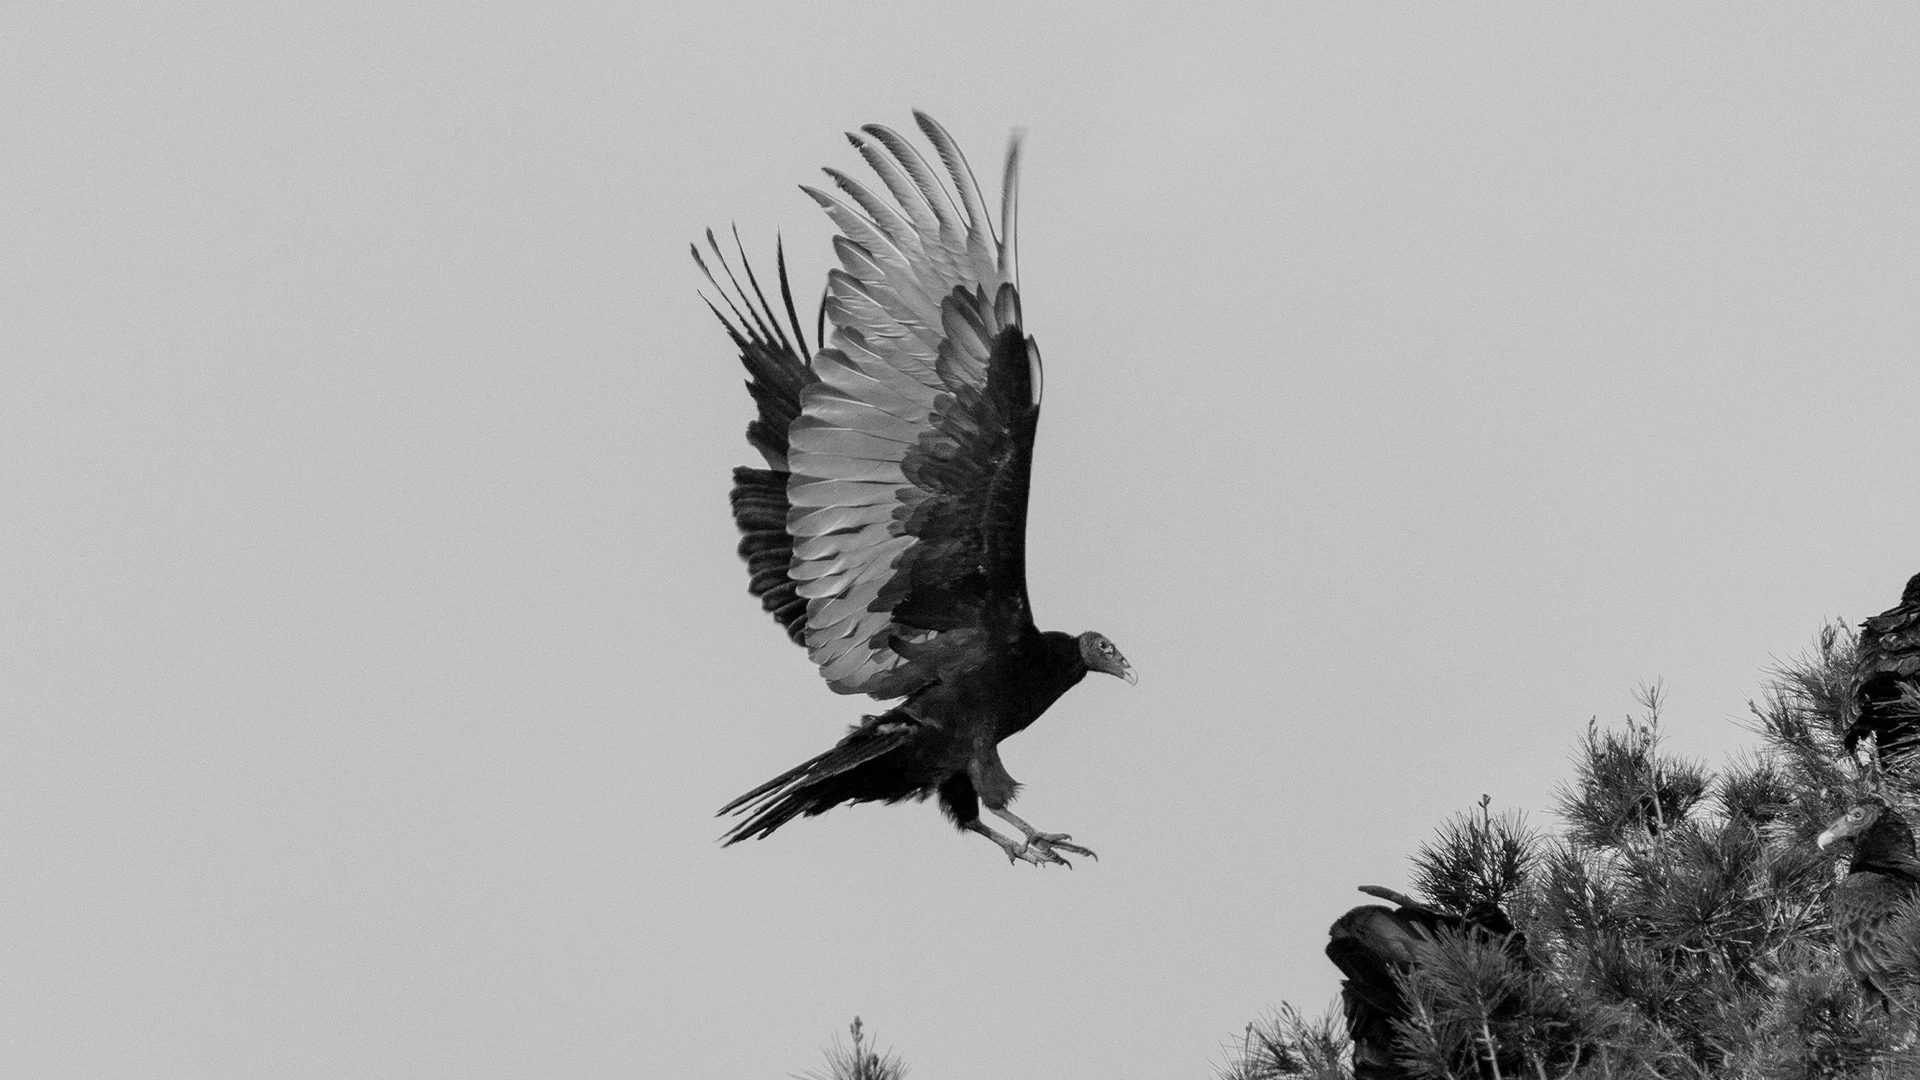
(1674, 926)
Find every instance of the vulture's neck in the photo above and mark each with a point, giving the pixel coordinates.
(1051, 666)
(1887, 848)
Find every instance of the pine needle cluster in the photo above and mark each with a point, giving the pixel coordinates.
(861, 1061)
(1675, 926)
(1289, 1046)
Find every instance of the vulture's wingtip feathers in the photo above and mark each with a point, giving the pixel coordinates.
(1010, 209)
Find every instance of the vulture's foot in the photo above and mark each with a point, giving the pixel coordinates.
(1045, 841)
(1037, 854)
(1038, 849)
(1015, 852)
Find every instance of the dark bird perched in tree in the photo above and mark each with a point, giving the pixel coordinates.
(1370, 943)
(887, 533)
(1887, 670)
(1871, 903)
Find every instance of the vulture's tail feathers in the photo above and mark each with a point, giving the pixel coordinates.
(822, 783)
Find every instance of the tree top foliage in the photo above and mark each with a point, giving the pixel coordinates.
(1675, 924)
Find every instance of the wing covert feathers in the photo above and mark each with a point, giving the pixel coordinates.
(1890, 641)
(1869, 914)
(1886, 673)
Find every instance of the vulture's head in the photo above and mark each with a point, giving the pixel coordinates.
(1099, 655)
(1876, 830)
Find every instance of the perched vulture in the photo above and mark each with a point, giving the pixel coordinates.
(1888, 664)
(1371, 942)
(887, 533)
(1869, 903)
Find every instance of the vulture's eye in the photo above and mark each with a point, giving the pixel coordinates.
(1856, 814)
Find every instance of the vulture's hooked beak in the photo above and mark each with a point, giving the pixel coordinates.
(1825, 839)
(1130, 676)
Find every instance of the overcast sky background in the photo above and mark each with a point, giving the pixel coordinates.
(1421, 380)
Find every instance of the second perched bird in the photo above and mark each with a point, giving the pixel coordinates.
(1871, 902)
(1370, 943)
(887, 533)
(1887, 670)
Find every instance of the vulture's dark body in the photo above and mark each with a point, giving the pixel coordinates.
(942, 739)
(1371, 942)
(1870, 904)
(1887, 669)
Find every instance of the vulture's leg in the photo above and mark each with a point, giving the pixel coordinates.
(1045, 841)
(1017, 852)
(989, 780)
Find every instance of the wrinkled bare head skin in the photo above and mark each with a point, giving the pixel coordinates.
(1100, 655)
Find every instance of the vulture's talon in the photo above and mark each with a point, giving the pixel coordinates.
(1047, 843)
(1060, 840)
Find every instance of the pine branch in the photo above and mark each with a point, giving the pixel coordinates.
(859, 1062)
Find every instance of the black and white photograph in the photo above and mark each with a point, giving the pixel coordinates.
(978, 541)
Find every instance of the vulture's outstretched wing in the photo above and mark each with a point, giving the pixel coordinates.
(911, 455)
(888, 532)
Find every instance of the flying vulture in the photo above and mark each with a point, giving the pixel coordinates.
(1888, 667)
(887, 533)
(1371, 942)
(1870, 903)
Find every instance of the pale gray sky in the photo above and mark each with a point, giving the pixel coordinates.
(1421, 379)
